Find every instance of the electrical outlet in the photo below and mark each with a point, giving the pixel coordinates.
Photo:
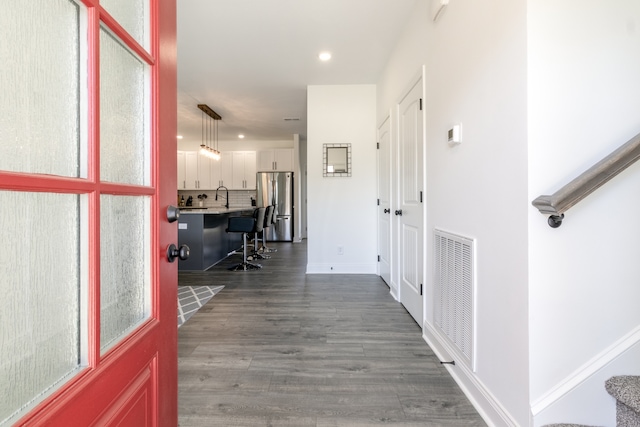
(340, 250)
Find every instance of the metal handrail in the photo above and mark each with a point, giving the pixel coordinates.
(590, 180)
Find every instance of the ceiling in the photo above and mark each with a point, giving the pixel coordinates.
(251, 60)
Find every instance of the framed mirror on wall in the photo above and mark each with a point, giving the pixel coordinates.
(336, 160)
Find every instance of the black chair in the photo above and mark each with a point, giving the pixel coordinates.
(246, 225)
(260, 253)
(273, 221)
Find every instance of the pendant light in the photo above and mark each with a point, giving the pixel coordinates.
(216, 153)
(208, 132)
(203, 146)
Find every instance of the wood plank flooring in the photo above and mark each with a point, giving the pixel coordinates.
(277, 347)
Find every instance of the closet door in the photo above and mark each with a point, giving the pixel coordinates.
(409, 214)
(384, 198)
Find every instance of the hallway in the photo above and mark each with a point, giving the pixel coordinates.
(277, 347)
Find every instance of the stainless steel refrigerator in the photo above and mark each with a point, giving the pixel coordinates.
(276, 188)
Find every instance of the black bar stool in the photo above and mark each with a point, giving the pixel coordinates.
(246, 225)
(263, 250)
(267, 223)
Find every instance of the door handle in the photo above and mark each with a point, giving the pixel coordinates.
(173, 252)
(399, 212)
(173, 213)
(387, 210)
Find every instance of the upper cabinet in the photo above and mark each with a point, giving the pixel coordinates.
(204, 172)
(182, 170)
(194, 171)
(222, 171)
(235, 170)
(279, 159)
(244, 170)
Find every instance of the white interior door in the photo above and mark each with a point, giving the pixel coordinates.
(384, 198)
(409, 213)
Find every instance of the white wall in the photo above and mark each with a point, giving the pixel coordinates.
(342, 211)
(584, 101)
(300, 189)
(475, 58)
(302, 156)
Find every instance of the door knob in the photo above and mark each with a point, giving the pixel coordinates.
(173, 213)
(399, 212)
(173, 252)
(387, 210)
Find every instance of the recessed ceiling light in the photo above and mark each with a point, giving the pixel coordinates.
(179, 137)
(324, 56)
(241, 136)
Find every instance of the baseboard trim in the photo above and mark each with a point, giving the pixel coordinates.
(585, 371)
(489, 408)
(393, 290)
(341, 269)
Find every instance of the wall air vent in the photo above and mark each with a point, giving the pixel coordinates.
(454, 293)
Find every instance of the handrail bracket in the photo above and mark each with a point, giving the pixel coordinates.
(590, 180)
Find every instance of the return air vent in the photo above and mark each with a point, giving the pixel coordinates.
(454, 292)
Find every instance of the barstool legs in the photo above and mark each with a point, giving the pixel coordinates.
(256, 253)
(245, 265)
(264, 249)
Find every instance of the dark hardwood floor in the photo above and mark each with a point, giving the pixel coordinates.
(277, 347)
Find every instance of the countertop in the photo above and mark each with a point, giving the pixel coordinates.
(186, 210)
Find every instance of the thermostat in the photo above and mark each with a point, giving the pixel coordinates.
(453, 135)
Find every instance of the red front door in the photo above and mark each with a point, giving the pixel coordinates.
(87, 171)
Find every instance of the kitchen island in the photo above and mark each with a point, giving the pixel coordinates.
(203, 230)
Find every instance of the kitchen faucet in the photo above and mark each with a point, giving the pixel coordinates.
(227, 196)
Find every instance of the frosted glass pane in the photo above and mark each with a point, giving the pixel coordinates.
(40, 87)
(40, 295)
(132, 15)
(124, 266)
(123, 117)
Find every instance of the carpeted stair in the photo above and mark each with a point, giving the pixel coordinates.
(626, 391)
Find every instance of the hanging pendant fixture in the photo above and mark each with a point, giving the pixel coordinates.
(209, 132)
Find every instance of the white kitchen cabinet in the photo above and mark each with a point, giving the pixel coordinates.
(250, 170)
(244, 170)
(204, 172)
(182, 179)
(235, 170)
(194, 171)
(222, 171)
(216, 173)
(191, 170)
(265, 160)
(279, 159)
